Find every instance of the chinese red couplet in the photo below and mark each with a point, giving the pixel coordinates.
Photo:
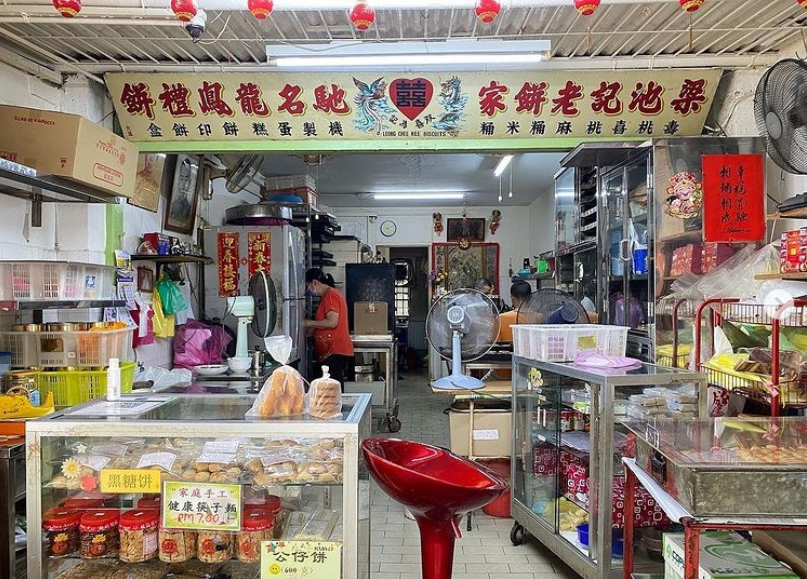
(259, 249)
(734, 198)
(228, 263)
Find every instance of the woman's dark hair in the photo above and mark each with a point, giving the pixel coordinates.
(483, 283)
(316, 274)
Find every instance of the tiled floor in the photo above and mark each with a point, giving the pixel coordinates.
(484, 553)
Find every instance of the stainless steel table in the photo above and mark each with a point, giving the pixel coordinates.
(385, 392)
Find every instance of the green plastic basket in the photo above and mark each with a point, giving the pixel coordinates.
(79, 386)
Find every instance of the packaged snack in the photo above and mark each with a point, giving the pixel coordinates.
(99, 534)
(61, 532)
(138, 536)
(214, 546)
(283, 394)
(319, 526)
(177, 546)
(257, 527)
(325, 397)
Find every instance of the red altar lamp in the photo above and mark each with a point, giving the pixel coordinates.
(690, 5)
(586, 7)
(67, 8)
(362, 15)
(488, 10)
(261, 9)
(185, 10)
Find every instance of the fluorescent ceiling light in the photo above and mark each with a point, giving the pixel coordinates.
(416, 196)
(502, 165)
(402, 60)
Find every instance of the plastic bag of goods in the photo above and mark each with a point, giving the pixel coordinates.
(283, 393)
(325, 397)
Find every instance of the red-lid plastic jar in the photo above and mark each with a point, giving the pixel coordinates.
(138, 535)
(61, 532)
(256, 527)
(88, 501)
(149, 502)
(99, 534)
(177, 545)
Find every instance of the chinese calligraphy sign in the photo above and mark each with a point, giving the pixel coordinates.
(477, 105)
(201, 506)
(130, 481)
(259, 252)
(734, 194)
(228, 263)
(298, 559)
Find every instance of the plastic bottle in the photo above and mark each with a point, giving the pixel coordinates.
(113, 380)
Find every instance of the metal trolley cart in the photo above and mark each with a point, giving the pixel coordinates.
(377, 374)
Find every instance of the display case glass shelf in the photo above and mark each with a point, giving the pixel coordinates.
(299, 478)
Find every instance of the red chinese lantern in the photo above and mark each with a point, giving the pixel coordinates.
(67, 8)
(362, 15)
(184, 9)
(488, 10)
(261, 9)
(586, 7)
(690, 5)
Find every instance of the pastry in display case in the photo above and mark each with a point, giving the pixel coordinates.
(176, 485)
(727, 465)
(568, 485)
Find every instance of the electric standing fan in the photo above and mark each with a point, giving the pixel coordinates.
(462, 326)
(551, 306)
(780, 107)
(262, 290)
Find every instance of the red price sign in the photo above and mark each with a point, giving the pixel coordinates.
(734, 198)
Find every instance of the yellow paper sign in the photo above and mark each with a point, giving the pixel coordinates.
(587, 343)
(298, 559)
(130, 481)
(201, 506)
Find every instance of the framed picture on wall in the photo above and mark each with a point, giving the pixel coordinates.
(471, 229)
(180, 212)
(462, 267)
(150, 183)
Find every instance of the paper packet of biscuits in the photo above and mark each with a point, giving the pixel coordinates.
(325, 397)
(283, 393)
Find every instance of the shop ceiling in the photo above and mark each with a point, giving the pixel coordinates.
(351, 180)
(144, 34)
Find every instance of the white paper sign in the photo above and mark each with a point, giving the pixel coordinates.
(221, 446)
(94, 462)
(217, 458)
(164, 460)
(109, 449)
(486, 435)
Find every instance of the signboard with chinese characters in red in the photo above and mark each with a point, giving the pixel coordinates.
(295, 559)
(734, 198)
(228, 263)
(259, 249)
(423, 106)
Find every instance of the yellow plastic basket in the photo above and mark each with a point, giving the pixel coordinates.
(79, 386)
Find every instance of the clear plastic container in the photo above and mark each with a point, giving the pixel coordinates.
(562, 343)
(61, 349)
(55, 280)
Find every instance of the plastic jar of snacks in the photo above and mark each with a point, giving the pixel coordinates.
(149, 502)
(61, 532)
(214, 546)
(138, 535)
(257, 527)
(99, 534)
(177, 546)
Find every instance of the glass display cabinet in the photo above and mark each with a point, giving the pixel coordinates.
(103, 478)
(567, 479)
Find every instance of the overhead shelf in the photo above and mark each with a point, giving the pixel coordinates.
(779, 276)
(163, 259)
(25, 183)
(60, 305)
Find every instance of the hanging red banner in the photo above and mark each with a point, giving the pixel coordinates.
(228, 263)
(259, 252)
(734, 198)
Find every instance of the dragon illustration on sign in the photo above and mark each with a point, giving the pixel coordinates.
(372, 106)
(453, 101)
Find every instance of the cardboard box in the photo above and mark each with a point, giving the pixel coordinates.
(69, 146)
(492, 432)
(370, 318)
(723, 555)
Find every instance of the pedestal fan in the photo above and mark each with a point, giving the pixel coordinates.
(551, 306)
(462, 326)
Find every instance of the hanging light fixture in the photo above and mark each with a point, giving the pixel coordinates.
(67, 8)
(261, 9)
(586, 7)
(488, 10)
(362, 15)
(185, 10)
(692, 5)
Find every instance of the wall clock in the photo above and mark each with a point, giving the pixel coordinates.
(388, 228)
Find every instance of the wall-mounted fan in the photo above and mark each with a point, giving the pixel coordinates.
(262, 291)
(238, 177)
(551, 306)
(462, 326)
(780, 107)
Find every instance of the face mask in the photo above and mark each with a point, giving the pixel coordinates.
(311, 292)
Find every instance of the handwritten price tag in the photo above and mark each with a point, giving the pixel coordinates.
(201, 506)
(295, 559)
